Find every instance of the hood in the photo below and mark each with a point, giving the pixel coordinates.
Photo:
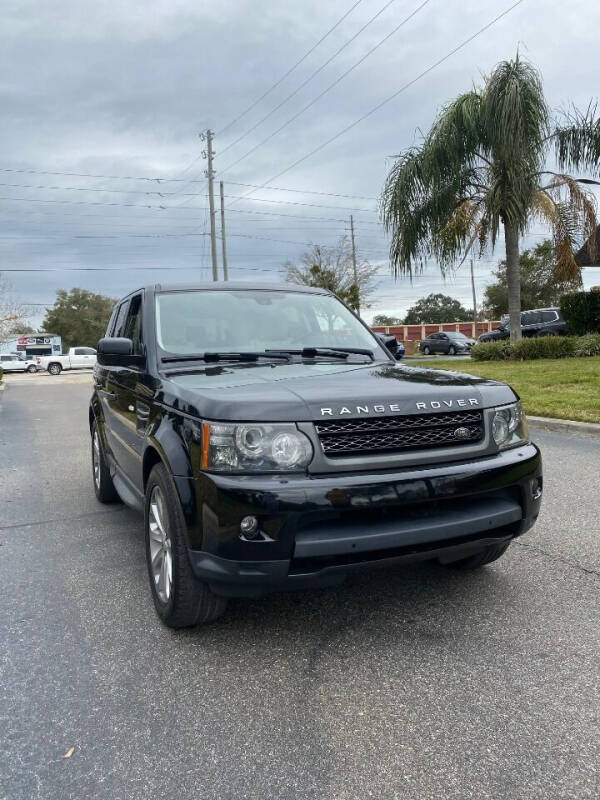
(306, 392)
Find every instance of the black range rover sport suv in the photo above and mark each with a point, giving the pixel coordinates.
(272, 442)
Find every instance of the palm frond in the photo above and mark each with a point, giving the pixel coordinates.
(577, 140)
(581, 204)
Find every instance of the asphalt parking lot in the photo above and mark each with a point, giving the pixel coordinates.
(407, 683)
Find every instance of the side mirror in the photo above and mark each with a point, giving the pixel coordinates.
(117, 352)
(388, 340)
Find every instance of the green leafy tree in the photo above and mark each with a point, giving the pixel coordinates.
(385, 319)
(332, 268)
(481, 168)
(79, 317)
(436, 308)
(540, 286)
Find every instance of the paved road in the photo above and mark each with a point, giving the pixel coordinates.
(415, 683)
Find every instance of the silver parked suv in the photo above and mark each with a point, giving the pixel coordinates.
(13, 362)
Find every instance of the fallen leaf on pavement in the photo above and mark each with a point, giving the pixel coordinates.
(69, 752)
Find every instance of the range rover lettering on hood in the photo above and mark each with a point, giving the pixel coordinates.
(397, 408)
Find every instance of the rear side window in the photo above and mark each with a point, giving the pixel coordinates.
(120, 320)
(79, 351)
(530, 317)
(133, 324)
(549, 316)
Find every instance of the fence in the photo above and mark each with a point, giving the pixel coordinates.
(415, 333)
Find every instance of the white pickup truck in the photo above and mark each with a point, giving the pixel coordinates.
(76, 358)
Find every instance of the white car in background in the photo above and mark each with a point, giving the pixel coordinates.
(76, 358)
(13, 362)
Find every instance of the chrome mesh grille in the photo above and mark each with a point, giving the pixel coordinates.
(415, 431)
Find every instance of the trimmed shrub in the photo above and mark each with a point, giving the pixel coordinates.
(588, 345)
(543, 347)
(538, 347)
(491, 351)
(581, 312)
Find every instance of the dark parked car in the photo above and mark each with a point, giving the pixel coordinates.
(449, 342)
(537, 322)
(272, 442)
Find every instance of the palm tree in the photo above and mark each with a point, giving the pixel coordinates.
(483, 164)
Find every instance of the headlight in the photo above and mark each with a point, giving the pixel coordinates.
(509, 426)
(253, 447)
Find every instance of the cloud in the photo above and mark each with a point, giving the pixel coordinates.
(123, 88)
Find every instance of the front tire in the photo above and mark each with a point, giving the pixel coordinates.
(103, 483)
(180, 599)
(480, 559)
(451, 350)
(55, 369)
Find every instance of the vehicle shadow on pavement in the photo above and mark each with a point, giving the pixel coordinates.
(421, 600)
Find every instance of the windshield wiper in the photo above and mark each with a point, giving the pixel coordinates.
(210, 357)
(333, 352)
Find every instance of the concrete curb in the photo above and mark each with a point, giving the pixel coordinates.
(565, 425)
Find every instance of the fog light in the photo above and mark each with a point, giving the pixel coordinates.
(536, 488)
(249, 527)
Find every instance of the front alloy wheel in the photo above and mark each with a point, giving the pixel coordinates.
(180, 599)
(451, 350)
(161, 556)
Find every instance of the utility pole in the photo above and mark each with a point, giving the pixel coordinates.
(225, 270)
(210, 174)
(474, 295)
(354, 264)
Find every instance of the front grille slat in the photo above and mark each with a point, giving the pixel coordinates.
(388, 434)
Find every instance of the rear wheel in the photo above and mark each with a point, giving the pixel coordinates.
(426, 351)
(103, 484)
(480, 559)
(32, 368)
(55, 369)
(179, 598)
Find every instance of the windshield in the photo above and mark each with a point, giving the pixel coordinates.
(253, 320)
(456, 336)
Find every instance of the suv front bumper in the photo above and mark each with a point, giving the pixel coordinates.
(315, 528)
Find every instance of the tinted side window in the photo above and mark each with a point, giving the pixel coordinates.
(111, 321)
(549, 316)
(133, 324)
(79, 351)
(120, 320)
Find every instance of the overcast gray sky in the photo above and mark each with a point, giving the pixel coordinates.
(120, 89)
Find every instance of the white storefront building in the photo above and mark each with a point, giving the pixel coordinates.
(34, 344)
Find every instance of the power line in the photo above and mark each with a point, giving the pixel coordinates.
(169, 194)
(168, 208)
(303, 191)
(159, 179)
(309, 79)
(289, 72)
(330, 87)
(392, 96)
